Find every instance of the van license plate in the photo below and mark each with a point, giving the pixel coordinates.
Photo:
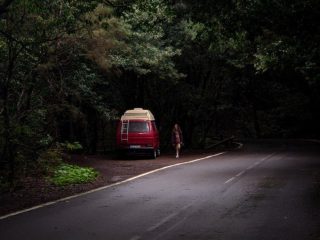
(135, 146)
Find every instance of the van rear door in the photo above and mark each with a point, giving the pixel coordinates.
(139, 134)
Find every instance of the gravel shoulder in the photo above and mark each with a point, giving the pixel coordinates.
(37, 191)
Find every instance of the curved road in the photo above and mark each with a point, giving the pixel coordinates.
(266, 190)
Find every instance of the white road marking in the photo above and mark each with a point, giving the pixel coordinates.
(249, 168)
(167, 219)
(106, 187)
(240, 173)
(163, 221)
(160, 236)
(231, 179)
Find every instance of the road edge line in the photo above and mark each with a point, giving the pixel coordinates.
(106, 186)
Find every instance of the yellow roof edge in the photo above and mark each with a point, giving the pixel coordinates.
(137, 113)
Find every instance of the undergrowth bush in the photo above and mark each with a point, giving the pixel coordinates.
(49, 160)
(66, 174)
(74, 147)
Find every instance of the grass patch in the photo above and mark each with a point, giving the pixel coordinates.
(66, 174)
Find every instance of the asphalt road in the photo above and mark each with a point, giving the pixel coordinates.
(266, 190)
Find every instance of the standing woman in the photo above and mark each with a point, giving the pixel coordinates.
(177, 138)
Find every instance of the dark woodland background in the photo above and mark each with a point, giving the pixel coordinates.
(70, 68)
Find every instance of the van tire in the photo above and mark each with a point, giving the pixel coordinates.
(158, 152)
(154, 154)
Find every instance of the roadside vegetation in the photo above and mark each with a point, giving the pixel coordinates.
(70, 68)
(66, 174)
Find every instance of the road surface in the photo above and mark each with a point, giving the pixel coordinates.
(266, 190)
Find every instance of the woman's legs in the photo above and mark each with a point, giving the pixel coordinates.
(178, 146)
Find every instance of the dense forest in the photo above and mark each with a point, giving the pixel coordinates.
(70, 68)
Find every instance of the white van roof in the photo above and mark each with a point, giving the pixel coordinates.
(137, 113)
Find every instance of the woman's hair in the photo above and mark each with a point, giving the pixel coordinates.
(178, 127)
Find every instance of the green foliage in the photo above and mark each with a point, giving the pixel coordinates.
(146, 48)
(66, 174)
(71, 147)
(191, 30)
(274, 54)
(48, 160)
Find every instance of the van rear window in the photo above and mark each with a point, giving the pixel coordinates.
(138, 127)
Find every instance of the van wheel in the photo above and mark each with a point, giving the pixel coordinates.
(158, 152)
(154, 154)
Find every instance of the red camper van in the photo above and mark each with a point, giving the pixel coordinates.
(137, 133)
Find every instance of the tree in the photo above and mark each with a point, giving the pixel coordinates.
(260, 44)
(147, 47)
(44, 46)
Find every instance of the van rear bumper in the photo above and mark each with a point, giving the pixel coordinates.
(141, 151)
